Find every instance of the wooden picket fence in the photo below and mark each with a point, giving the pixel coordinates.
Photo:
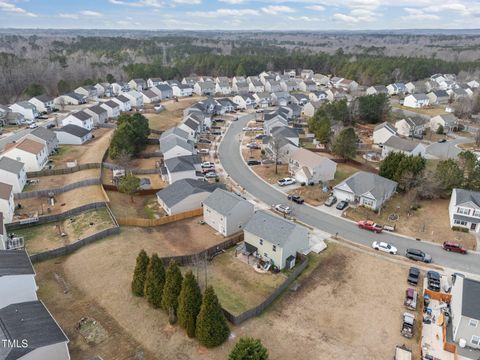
(125, 221)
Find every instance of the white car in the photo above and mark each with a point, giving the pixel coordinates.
(284, 209)
(385, 247)
(33, 126)
(248, 129)
(286, 181)
(203, 151)
(208, 164)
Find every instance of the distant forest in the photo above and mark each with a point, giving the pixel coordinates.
(30, 65)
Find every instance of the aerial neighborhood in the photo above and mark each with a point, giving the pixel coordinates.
(139, 195)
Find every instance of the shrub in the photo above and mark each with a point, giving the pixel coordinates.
(212, 329)
(460, 228)
(248, 348)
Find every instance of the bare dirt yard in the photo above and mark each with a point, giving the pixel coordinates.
(337, 301)
(63, 202)
(91, 152)
(146, 207)
(417, 223)
(172, 115)
(56, 181)
(57, 234)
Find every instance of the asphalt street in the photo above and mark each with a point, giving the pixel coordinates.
(236, 168)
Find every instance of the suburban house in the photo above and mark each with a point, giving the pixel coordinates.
(244, 101)
(182, 90)
(185, 195)
(43, 103)
(396, 89)
(321, 80)
(150, 97)
(347, 85)
(272, 123)
(135, 97)
(306, 74)
(80, 118)
(458, 93)
(227, 105)
(449, 122)
(256, 86)
(410, 87)
(291, 73)
(104, 89)
(73, 135)
(226, 212)
(174, 146)
(382, 132)
(273, 86)
(164, 91)
(204, 88)
(71, 98)
(299, 99)
(33, 154)
(287, 133)
(411, 127)
(137, 84)
(112, 107)
(376, 90)
(191, 126)
(464, 209)
(365, 189)
(310, 168)
(30, 322)
(181, 167)
(405, 146)
(124, 102)
(17, 278)
(7, 204)
(44, 135)
(190, 80)
(438, 97)
(9, 117)
(240, 87)
(274, 239)
(174, 133)
(263, 99)
(317, 95)
(416, 100)
(465, 313)
(118, 88)
(151, 82)
(280, 98)
(223, 87)
(27, 109)
(89, 91)
(311, 108)
(307, 85)
(13, 173)
(99, 114)
(278, 149)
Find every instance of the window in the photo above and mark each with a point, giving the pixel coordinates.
(261, 241)
(463, 211)
(460, 222)
(475, 340)
(476, 213)
(274, 248)
(473, 322)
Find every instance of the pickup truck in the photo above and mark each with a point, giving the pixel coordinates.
(370, 225)
(408, 326)
(411, 296)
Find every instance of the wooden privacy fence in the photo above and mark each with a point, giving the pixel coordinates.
(161, 221)
(64, 171)
(110, 187)
(257, 310)
(56, 191)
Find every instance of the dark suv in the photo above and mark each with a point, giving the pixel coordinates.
(455, 247)
(418, 255)
(413, 276)
(433, 280)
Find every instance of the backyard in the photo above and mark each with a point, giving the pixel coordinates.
(145, 207)
(56, 181)
(172, 115)
(417, 223)
(57, 234)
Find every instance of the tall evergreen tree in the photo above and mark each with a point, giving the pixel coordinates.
(212, 329)
(138, 283)
(248, 348)
(345, 144)
(154, 281)
(171, 291)
(189, 303)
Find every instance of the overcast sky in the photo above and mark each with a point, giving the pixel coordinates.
(241, 14)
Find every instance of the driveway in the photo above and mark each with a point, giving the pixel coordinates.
(234, 165)
(446, 150)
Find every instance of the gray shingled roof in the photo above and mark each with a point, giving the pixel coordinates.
(111, 104)
(191, 124)
(398, 143)
(168, 143)
(464, 196)
(123, 98)
(470, 299)
(420, 96)
(28, 321)
(82, 115)
(274, 229)
(182, 163)
(175, 131)
(44, 134)
(223, 201)
(44, 98)
(387, 126)
(97, 109)
(10, 165)
(26, 105)
(74, 130)
(181, 189)
(164, 87)
(15, 262)
(284, 131)
(363, 182)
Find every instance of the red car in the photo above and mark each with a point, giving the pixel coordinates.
(455, 247)
(370, 225)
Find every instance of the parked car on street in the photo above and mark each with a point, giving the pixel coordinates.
(454, 247)
(441, 141)
(253, 162)
(204, 141)
(296, 199)
(433, 280)
(286, 181)
(207, 170)
(284, 209)
(210, 175)
(207, 164)
(260, 136)
(370, 225)
(253, 146)
(33, 126)
(50, 126)
(203, 151)
(413, 276)
(385, 247)
(330, 201)
(418, 255)
(342, 205)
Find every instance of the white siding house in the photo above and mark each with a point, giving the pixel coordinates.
(80, 118)
(32, 153)
(416, 101)
(464, 209)
(310, 168)
(13, 172)
(7, 204)
(383, 132)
